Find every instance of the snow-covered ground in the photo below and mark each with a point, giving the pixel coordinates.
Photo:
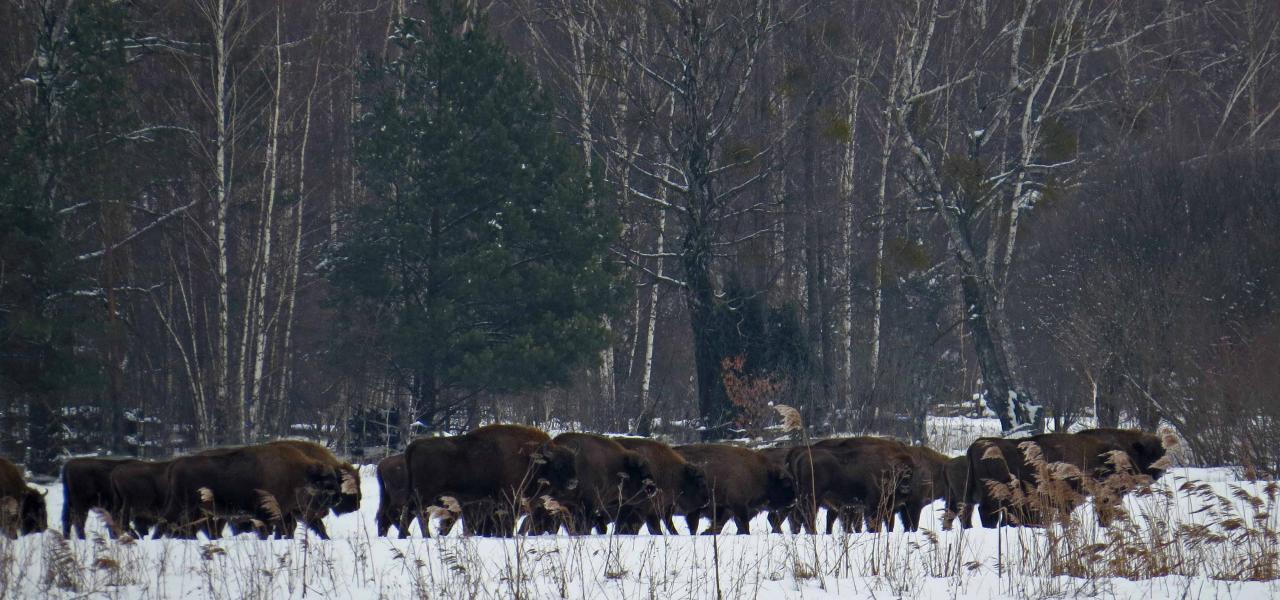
(1189, 540)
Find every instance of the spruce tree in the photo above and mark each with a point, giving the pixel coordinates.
(479, 265)
(57, 158)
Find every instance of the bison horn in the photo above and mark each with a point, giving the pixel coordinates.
(349, 485)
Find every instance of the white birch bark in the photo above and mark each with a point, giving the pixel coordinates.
(222, 194)
(256, 406)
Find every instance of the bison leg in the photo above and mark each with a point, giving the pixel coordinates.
(911, 513)
(719, 518)
(989, 515)
(692, 521)
(654, 523)
(383, 521)
(775, 521)
(78, 520)
(670, 522)
(602, 523)
(833, 513)
(143, 526)
(315, 522)
(742, 518)
(966, 515)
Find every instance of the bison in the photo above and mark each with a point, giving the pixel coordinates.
(1146, 451)
(269, 484)
(349, 498)
(140, 493)
(1023, 479)
(890, 463)
(743, 482)
(928, 483)
(22, 507)
(682, 487)
(504, 464)
(86, 485)
(610, 477)
(393, 497)
(778, 458)
(955, 477)
(848, 486)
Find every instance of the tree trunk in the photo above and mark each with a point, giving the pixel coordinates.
(700, 299)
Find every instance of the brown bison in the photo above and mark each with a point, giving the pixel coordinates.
(140, 495)
(348, 499)
(393, 501)
(743, 482)
(393, 497)
(1146, 451)
(778, 458)
(610, 477)
(887, 461)
(269, 484)
(505, 464)
(22, 507)
(682, 487)
(928, 483)
(1023, 480)
(86, 485)
(955, 476)
(850, 488)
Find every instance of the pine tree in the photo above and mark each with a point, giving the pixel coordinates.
(56, 163)
(479, 264)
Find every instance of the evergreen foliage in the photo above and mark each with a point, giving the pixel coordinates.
(480, 266)
(54, 159)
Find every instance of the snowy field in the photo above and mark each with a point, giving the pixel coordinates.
(1200, 535)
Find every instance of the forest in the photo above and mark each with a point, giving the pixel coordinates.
(364, 221)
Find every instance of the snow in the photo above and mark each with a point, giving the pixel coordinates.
(931, 563)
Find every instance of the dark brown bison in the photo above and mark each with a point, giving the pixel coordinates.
(140, 495)
(505, 464)
(955, 477)
(1146, 451)
(841, 481)
(22, 507)
(393, 497)
(682, 487)
(997, 461)
(890, 463)
(743, 482)
(393, 501)
(610, 477)
(928, 483)
(86, 485)
(272, 485)
(778, 458)
(1023, 480)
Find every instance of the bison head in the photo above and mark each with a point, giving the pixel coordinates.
(324, 483)
(349, 490)
(34, 514)
(1147, 452)
(695, 493)
(637, 478)
(906, 479)
(557, 466)
(782, 488)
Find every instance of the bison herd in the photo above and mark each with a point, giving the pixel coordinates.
(502, 480)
